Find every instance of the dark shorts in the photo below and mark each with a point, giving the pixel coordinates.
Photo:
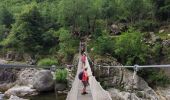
(85, 83)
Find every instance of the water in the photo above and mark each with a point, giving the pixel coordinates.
(44, 96)
(48, 96)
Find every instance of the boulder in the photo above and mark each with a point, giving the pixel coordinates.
(43, 81)
(115, 29)
(26, 76)
(161, 31)
(16, 98)
(21, 91)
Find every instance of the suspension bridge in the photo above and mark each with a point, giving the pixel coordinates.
(95, 90)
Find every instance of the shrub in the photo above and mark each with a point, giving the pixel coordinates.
(104, 44)
(61, 75)
(130, 49)
(68, 45)
(154, 77)
(147, 25)
(47, 62)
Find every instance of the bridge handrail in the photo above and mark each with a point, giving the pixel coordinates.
(73, 93)
(139, 66)
(98, 93)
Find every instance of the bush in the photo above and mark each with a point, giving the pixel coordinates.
(47, 62)
(104, 44)
(154, 77)
(68, 45)
(130, 49)
(61, 75)
(147, 25)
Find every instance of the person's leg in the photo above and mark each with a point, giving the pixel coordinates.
(84, 87)
(83, 65)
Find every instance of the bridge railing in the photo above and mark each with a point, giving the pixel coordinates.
(73, 93)
(98, 93)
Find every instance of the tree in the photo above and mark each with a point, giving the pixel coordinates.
(28, 33)
(81, 15)
(162, 9)
(130, 48)
(68, 45)
(6, 17)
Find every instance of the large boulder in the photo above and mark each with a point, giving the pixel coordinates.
(26, 76)
(20, 91)
(43, 81)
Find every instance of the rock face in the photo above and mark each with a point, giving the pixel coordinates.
(122, 81)
(164, 93)
(43, 81)
(8, 78)
(20, 91)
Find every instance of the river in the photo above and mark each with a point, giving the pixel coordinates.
(48, 96)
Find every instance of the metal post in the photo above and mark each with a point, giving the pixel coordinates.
(133, 79)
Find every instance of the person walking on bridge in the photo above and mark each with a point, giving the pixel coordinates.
(85, 81)
(83, 59)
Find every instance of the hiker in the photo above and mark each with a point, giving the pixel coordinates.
(85, 81)
(82, 47)
(83, 60)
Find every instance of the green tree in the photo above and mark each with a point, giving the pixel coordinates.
(162, 9)
(28, 33)
(81, 15)
(68, 45)
(6, 17)
(130, 48)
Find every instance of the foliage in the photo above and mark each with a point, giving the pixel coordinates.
(162, 9)
(28, 32)
(130, 48)
(68, 45)
(147, 25)
(61, 75)
(104, 44)
(47, 62)
(155, 77)
(6, 17)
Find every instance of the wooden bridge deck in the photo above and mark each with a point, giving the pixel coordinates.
(95, 91)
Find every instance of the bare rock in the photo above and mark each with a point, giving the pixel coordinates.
(21, 91)
(161, 31)
(26, 76)
(164, 93)
(166, 43)
(115, 29)
(12, 97)
(43, 81)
